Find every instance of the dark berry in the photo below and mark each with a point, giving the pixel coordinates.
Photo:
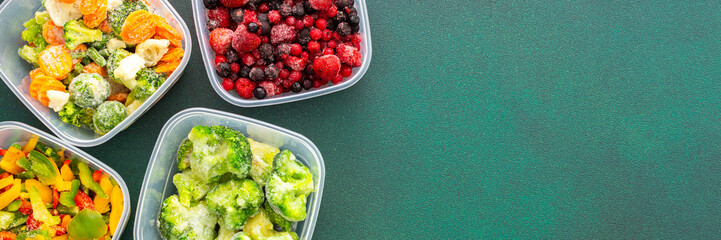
(232, 56)
(354, 20)
(271, 71)
(307, 84)
(354, 29)
(236, 15)
(331, 24)
(304, 36)
(342, 4)
(263, 17)
(212, 24)
(308, 8)
(257, 74)
(343, 29)
(265, 50)
(352, 12)
(265, 27)
(309, 70)
(209, 4)
(296, 87)
(259, 92)
(282, 51)
(252, 27)
(274, 5)
(298, 11)
(233, 76)
(244, 72)
(223, 69)
(340, 17)
(285, 10)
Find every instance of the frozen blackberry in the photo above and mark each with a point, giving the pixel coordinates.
(331, 24)
(343, 4)
(354, 20)
(257, 74)
(308, 70)
(263, 17)
(233, 76)
(265, 50)
(307, 84)
(244, 72)
(236, 15)
(259, 92)
(274, 5)
(212, 24)
(308, 8)
(223, 69)
(285, 10)
(343, 29)
(210, 4)
(304, 36)
(252, 27)
(282, 50)
(340, 17)
(296, 87)
(271, 71)
(265, 27)
(232, 56)
(354, 29)
(298, 11)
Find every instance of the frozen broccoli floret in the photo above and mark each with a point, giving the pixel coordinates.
(89, 90)
(279, 222)
(108, 115)
(288, 186)
(77, 33)
(114, 61)
(30, 54)
(189, 188)
(235, 201)
(227, 234)
(127, 70)
(103, 42)
(71, 114)
(118, 15)
(262, 161)
(241, 236)
(185, 152)
(177, 221)
(260, 227)
(148, 82)
(33, 32)
(218, 150)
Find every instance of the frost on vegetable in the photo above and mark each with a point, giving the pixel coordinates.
(57, 99)
(152, 50)
(148, 81)
(89, 90)
(77, 33)
(288, 186)
(75, 115)
(114, 61)
(262, 161)
(260, 227)
(117, 16)
(61, 12)
(190, 189)
(218, 150)
(180, 222)
(33, 34)
(185, 152)
(235, 201)
(108, 115)
(279, 222)
(127, 70)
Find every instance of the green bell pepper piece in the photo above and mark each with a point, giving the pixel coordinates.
(87, 225)
(68, 198)
(86, 177)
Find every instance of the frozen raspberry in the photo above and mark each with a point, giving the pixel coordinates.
(248, 59)
(295, 76)
(270, 88)
(296, 63)
(321, 4)
(286, 83)
(233, 3)
(284, 73)
(349, 55)
(227, 84)
(220, 40)
(313, 47)
(243, 41)
(220, 14)
(274, 16)
(244, 87)
(249, 16)
(326, 66)
(281, 33)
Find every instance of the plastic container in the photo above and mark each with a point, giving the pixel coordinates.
(14, 70)
(201, 17)
(13, 132)
(158, 184)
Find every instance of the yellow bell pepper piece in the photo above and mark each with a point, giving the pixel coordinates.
(10, 195)
(31, 143)
(39, 211)
(62, 186)
(101, 204)
(46, 194)
(116, 202)
(9, 161)
(66, 172)
(6, 181)
(61, 237)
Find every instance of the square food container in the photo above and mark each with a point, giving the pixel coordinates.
(13, 132)
(14, 70)
(201, 17)
(158, 181)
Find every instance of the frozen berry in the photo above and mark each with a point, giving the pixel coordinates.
(271, 71)
(265, 28)
(354, 29)
(257, 74)
(290, 20)
(220, 40)
(233, 3)
(309, 70)
(326, 66)
(295, 76)
(316, 34)
(235, 67)
(307, 84)
(355, 38)
(265, 50)
(221, 14)
(236, 15)
(212, 24)
(227, 84)
(248, 59)
(328, 51)
(244, 87)
(269, 87)
(299, 24)
(282, 51)
(346, 70)
(244, 41)
(233, 76)
(354, 20)
(349, 55)
(331, 24)
(321, 4)
(343, 29)
(274, 16)
(249, 16)
(210, 4)
(342, 4)
(284, 73)
(317, 83)
(340, 17)
(332, 11)
(304, 36)
(332, 44)
(232, 56)
(220, 59)
(320, 24)
(263, 8)
(244, 72)
(308, 8)
(298, 11)
(296, 63)
(281, 33)
(259, 92)
(286, 84)
(285, 10)
(263, 17)
(295, 49)
(308, 21)
(313, 47)
(223, 69)
(252, 27)
(337, 79)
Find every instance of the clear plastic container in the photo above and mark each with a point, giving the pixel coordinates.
(201, 17)
(13, 132)
(158, 184)
(14, 70)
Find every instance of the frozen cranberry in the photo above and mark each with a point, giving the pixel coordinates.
(313, 47)
(290, 21)
(337, 79)
(295, 76)
(308, 21)
(328, 51)
(295, 49)
(219, 59)
(346, 70)
(316, 34)
(235, 67)
(227, 84)
(332, 44)
(320, 24)
(327, 35)
(332, 11)
(263, 8)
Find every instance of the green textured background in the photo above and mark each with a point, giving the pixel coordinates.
(500, 119)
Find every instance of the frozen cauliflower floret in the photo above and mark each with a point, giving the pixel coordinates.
(152, 50)
(61, 12)
(115, 43)
(127, 70)
(58, 99)
(112, 4)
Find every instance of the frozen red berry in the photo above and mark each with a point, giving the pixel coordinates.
(249, 16)
(326, 66)
(233, 3)
(281, 33)
(337, 79)
(349, 55)
(220, 40)
(308, 21)
(219, 59)
(313, 47)
(244, 87)
(346, 70)
(296, 49)
(321, 4)
(221, 14)
(296, 63)
(274, 16)
(295, 76)
(227, 84)
(270, 88)
(235, 67)
(321, 24)
(332, 11)
(244, 41)
(248, 59)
